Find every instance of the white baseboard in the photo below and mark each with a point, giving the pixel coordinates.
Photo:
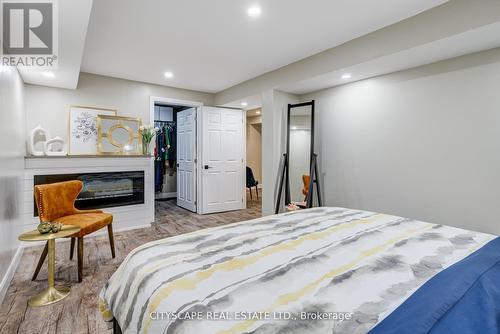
(7, 278)
(123, 229)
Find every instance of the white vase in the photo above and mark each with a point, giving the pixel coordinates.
(54, 147)
(38, 137)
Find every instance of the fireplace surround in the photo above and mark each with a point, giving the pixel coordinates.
(130, 209)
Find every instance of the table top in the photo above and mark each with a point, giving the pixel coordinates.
(66, 231)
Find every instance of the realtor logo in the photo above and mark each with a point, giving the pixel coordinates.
(28, 30)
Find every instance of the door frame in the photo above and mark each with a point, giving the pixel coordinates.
(197, 147)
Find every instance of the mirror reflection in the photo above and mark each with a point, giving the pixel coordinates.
(118, 135)
(300, 133)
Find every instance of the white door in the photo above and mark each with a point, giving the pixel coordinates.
(186, 154)
(223, 162)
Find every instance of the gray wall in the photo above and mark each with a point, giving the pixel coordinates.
(11, 166)
(49, 107)
(254, 147)
(274, 110)
(422, 143)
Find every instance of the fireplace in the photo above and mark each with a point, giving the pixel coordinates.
(102, 190)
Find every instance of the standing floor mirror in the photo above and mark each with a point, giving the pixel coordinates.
(298, 169)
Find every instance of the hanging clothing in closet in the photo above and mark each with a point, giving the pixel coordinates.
(165, 152)
(160, 154)
(172, 155)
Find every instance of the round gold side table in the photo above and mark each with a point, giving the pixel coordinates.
(51, 294)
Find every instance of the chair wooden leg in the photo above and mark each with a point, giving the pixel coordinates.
(72, 248)
(40, 261)
(80, 258)
(250, 188)
(257, 191)
(111, 240)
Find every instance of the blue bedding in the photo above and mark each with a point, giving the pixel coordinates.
(464, 298)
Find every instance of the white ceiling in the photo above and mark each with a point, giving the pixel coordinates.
(213, 45)
(254, 112)
(252, 102)
(74, 17)
(484, 38)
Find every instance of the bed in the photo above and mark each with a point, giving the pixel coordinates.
(321, 270)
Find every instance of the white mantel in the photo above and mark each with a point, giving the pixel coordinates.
(124, 217)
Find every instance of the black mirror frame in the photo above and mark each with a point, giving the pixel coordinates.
(311, 150)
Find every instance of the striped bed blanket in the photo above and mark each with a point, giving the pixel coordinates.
(321, 270)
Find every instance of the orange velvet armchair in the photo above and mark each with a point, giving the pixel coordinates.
(56, 204)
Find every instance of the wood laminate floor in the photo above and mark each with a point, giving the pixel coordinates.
(78, 313)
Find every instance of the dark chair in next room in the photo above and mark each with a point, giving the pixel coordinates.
(252, 182)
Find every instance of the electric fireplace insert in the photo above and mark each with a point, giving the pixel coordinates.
(102, 190)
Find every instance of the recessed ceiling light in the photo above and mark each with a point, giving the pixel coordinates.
(168, 75)
(346, 76)
(254, 11)
(257, 112)
(244, 104)
(48, 74)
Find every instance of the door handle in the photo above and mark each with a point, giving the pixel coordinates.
(207, 167)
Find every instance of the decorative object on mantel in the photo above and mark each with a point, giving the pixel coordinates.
(82, 133)
(46, 227)
(148, 132)
(37, 139)
(118, 135)
(54, 147)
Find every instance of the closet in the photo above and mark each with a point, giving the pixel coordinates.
(165, 119)
(202, 178)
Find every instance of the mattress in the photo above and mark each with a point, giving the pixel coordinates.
(321, 270)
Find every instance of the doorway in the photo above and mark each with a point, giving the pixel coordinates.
(254, 157)
(175, 151)
(175, 155)
(199, 156)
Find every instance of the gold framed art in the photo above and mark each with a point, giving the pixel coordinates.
(118, 135)
(82, 129)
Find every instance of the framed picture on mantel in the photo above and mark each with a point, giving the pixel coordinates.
(82, 130)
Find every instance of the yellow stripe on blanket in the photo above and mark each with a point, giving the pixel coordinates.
(294, 296)
(188, 283)
(155, 265)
